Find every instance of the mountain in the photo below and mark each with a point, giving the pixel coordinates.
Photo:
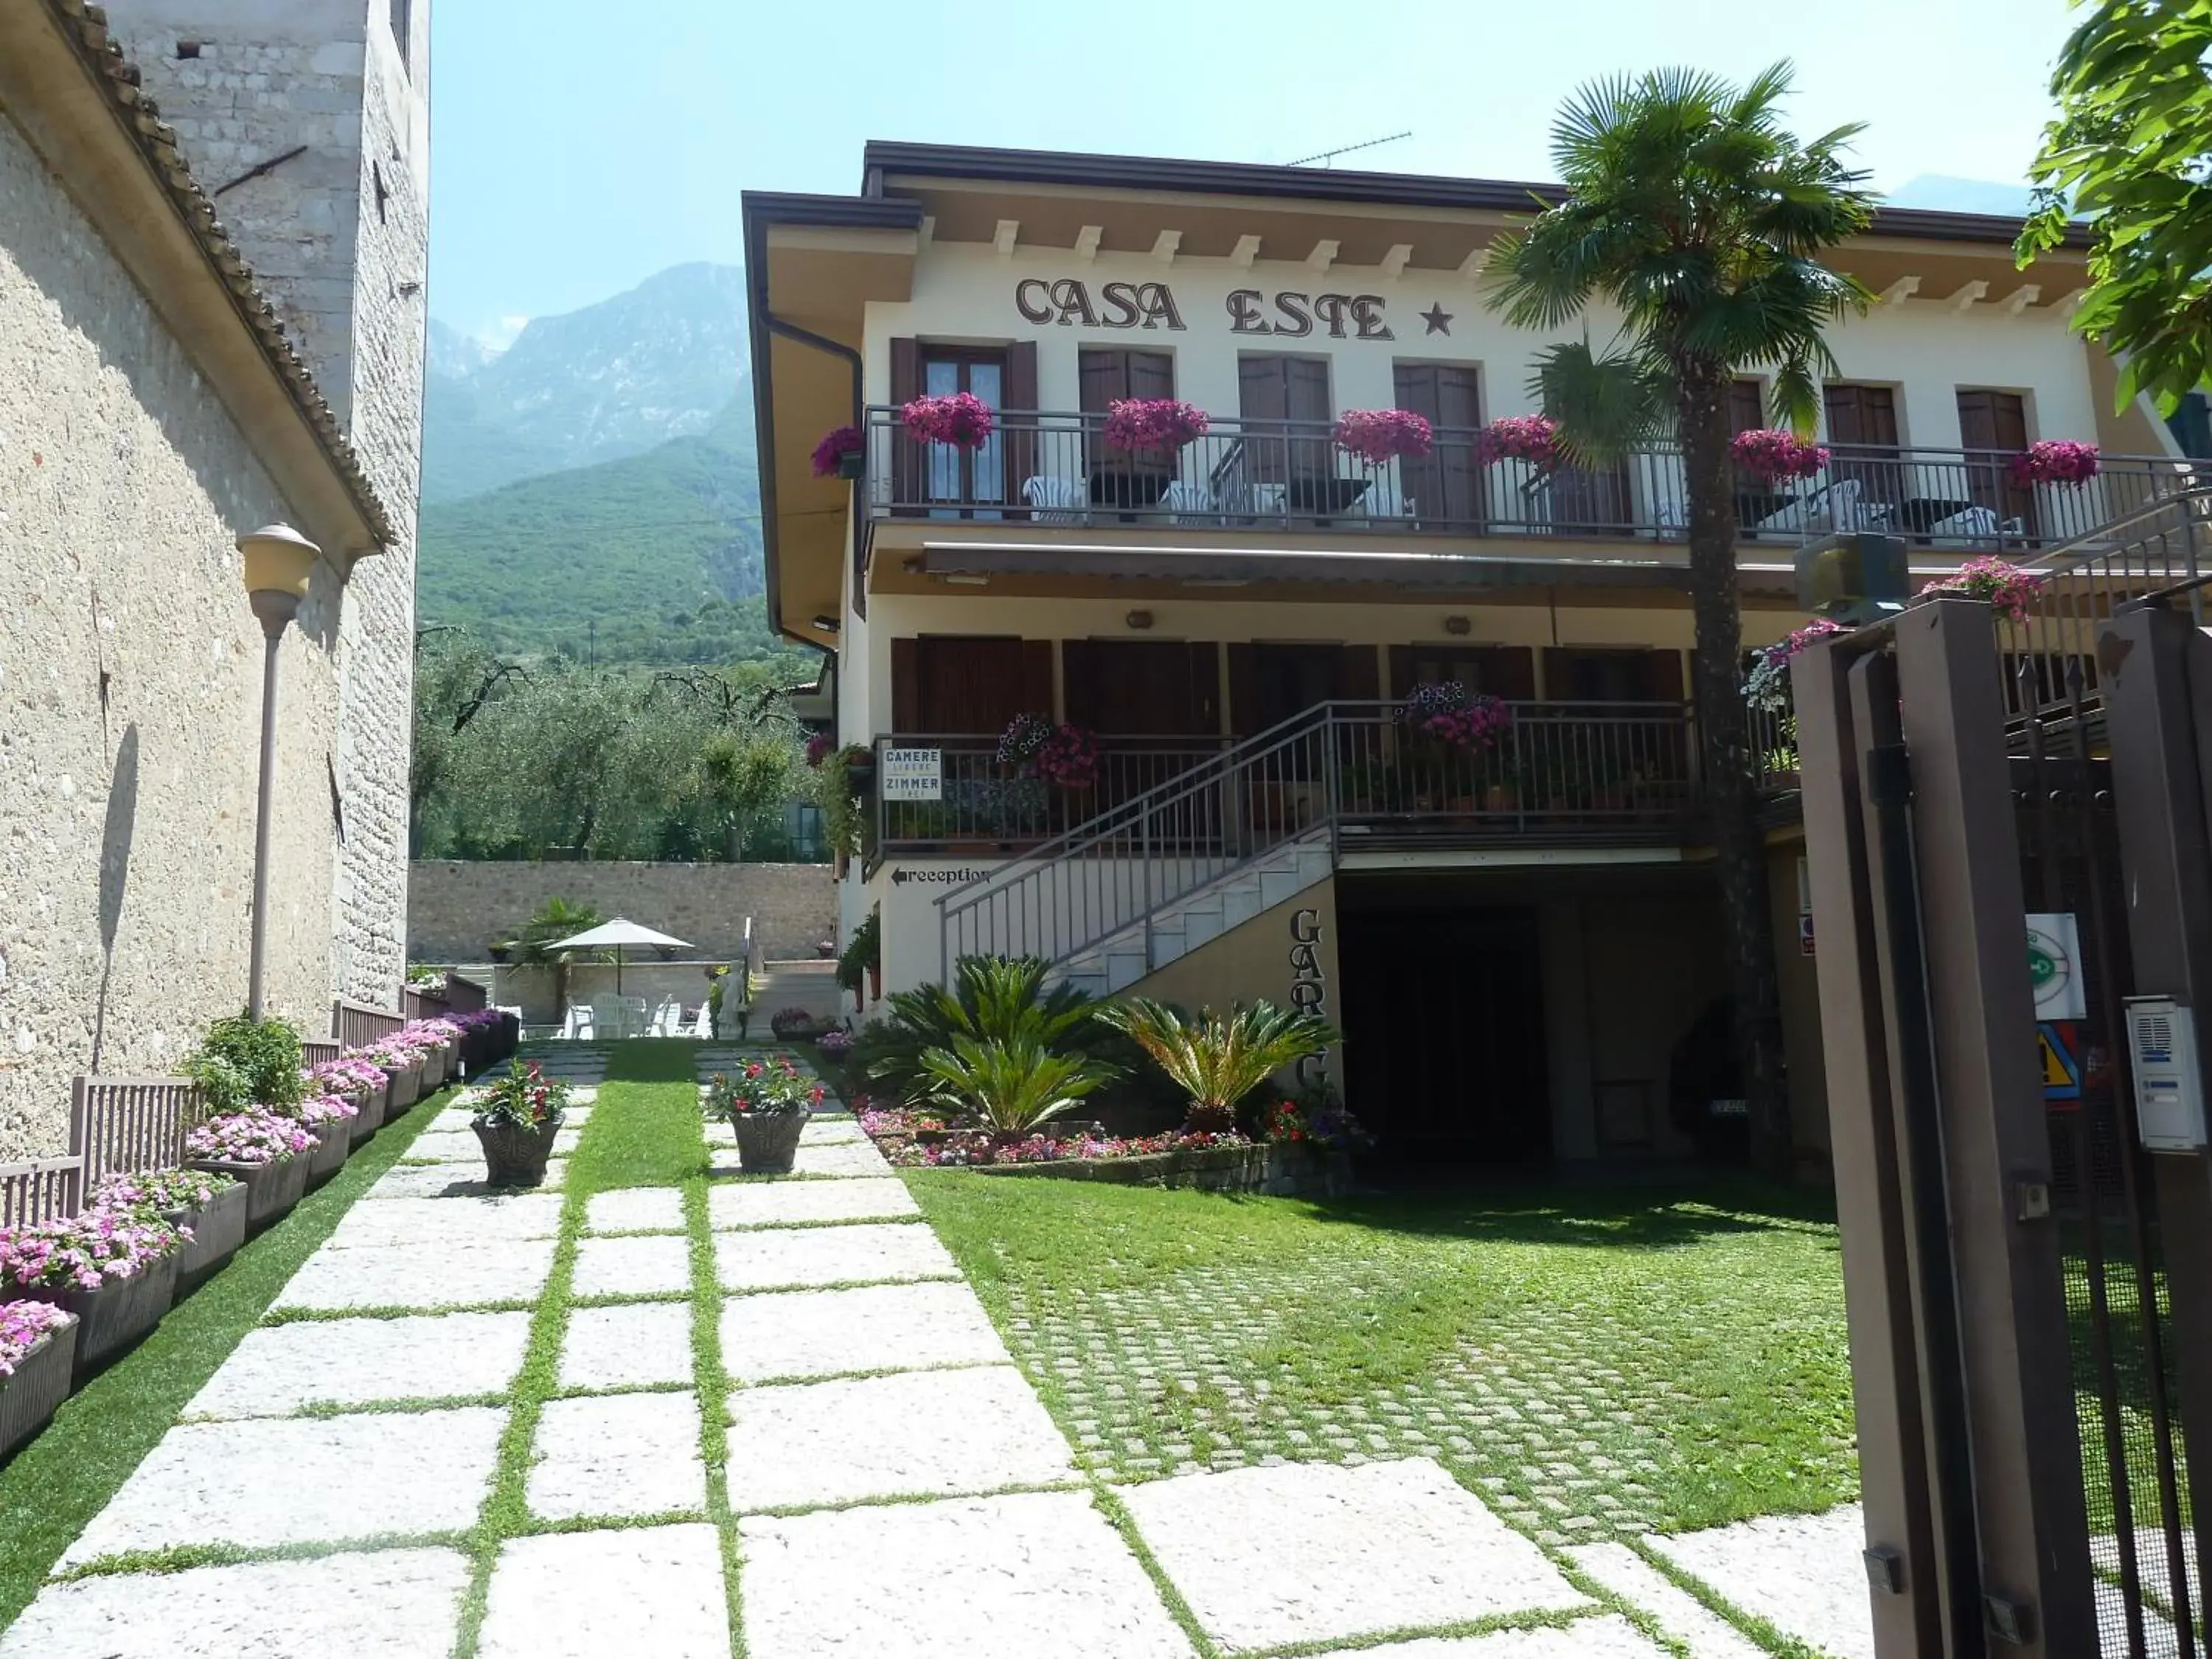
(661, 361)
(1949, 195)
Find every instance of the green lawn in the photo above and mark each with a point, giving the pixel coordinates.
(1595, 1359)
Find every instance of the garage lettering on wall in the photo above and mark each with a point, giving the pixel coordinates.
(1308, 986)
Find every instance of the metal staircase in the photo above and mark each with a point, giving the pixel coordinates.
(1153, 878)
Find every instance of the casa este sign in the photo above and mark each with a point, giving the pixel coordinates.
(1067, 302)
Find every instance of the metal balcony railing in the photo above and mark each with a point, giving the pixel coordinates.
(1056, 468)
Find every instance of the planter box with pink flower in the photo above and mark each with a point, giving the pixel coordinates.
(208, 1209)
(114, 1269)
(267, 1153)
(38, 1349)
(329, 1118)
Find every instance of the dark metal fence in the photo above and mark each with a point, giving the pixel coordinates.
(983, 804)
(1056, 468)
(127, 1125)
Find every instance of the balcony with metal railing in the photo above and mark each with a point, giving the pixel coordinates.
(1047, 468)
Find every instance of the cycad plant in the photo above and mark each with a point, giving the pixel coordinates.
(556, 919)
(1009, 1086)
(1695, 214)
(1218, 1059)
(993, 1000)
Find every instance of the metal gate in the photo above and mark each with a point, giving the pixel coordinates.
(2030, 1290)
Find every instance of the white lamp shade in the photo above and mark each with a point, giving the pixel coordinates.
(278, 559)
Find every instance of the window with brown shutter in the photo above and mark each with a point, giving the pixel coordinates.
(1444, 489)
(1993, 428)
(954, 686)
(1604, 674)
(1104, 376)
(1747, 406)
(1142, 688)
(1862, 435)
(1508, 672)
(1284, 405)
(952, 482)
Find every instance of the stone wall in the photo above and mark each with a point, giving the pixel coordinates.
(455, 910)
(338, 236)
(130, 686)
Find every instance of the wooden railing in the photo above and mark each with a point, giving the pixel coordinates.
(356, 1026)
(43, 1189)
(315, 1051)
(127, 1124)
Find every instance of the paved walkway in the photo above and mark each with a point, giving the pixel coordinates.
(828, 1329)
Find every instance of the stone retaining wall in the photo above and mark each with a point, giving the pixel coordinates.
(456, 910)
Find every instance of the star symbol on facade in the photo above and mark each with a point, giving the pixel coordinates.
(1438, 319)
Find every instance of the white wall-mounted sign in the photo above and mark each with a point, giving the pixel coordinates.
(2054, 965)
(914, 774)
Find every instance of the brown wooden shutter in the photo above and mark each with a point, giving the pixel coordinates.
(1861, 414)
(906, 454)
(1206, 685)
(1308, 389)
(1515, 668)
(1401, 656)
(1559, 674)
(1747, 406)
(1262, 389)
(1102, 377)
(1662, 677)
(1150, 375)
(1021, 398)
(1082, 685)
(1037, 678)
(906, 685)
(1243, 690)
(1359, 680)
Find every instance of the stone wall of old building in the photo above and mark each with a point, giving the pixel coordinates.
(130, 686)
(311, 117)
(456, 910)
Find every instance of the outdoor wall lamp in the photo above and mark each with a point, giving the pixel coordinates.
(279, 561)
(1139, 620)
(1458, 625)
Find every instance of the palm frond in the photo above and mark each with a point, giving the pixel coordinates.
(1010, 1087)
(1605, 405)
(1219, 1058)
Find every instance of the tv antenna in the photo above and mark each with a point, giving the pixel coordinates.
(1327, 155)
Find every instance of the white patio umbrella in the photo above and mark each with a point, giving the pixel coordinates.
(615, 935)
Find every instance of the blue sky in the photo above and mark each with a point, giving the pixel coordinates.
(579, 147)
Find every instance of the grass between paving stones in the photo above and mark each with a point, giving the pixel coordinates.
(1592, 1361)
(53, 1488)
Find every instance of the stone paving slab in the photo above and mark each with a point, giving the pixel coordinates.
(278, 1368)
(791, 1333)
(616, 1455)
(916, 1434)
(858, 1157)
(1607, 1637)
(821, 1131)
(455, 1120)
(437, 1145)
(641, 1593)
(1680, 1614)
(776, 1258)
(647, 1264)
(1010, 1577)
(779, 1203)
(635, 1210)
(501, 1219)
(426, 1276)
(301, 1480)
(1803, 1574)
(1316, 1552)
(636, 1345)
(388, 1604)
(454, 1180)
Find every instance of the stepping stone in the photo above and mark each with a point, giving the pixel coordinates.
(1803, 1574)
(1007, 1578)
(618, 1454)
(641, 1592)
(775, 1258)
(453, 1180)
(781, 1203)
(855, 1158)
(278, 1368)
(386, 1604)
(1608, 1636)
(637, 1345)
(437, 1145)
(881, 1328)
(635, 1210)
(830, 1132)
(1676, 1611)
(301, 1480)
(425, 1276)
(494, 1220)
(647, 1264)
(1314, 1551)
(918, 1433)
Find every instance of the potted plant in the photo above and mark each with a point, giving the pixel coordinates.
(1775, 454)
(207, 1208)
(795, 1025)
(500, 950)
(962, 419)
(260, 1149)
(402, 1074)
(1152, 429)
(115, 1270)
(2004, 586)
(38, 1345)
(244, 1063)
(1531, 438)
(516, 1122)
(863, 959)
(360, 1081)
(2055, 461)
(767, 1104)
(329, 1118)
(839, 453)
(1379, 436)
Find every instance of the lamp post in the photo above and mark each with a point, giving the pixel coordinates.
(278, 561)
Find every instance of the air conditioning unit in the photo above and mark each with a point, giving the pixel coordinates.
(2169, 1090)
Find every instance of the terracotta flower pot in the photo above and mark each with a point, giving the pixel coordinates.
(272, 1189)
(34, 1392)
(118, 1313)
(218, 1227)
(515, 1156)
(768, 1143)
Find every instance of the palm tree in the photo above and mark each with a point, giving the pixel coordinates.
(556, 919)
(1012, 1085)
(1218, 1059)
(1693, 213)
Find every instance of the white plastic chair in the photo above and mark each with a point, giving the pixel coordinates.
(609, 1018)
(1976, 526)
(667, 1018)
(1382, 499)
(580, 1025)
(703, 1026)
(1831, 507)
(1056, 500)
(1189, 501)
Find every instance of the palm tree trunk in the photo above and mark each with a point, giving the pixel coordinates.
(1723, 732)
